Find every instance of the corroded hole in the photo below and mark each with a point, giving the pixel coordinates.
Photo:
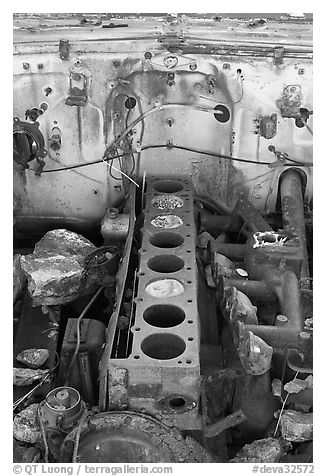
(163, 288)
(167, 221)
(167, 202)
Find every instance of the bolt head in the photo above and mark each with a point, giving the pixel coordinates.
(26, 65)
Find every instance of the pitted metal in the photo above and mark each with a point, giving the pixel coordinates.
(164, 359)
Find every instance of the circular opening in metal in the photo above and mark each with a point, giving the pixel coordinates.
(167, 202)
(165, 263)
(166, 239)
(164, 288)
(164, 315)
(163, 346)
(177, 403)
(168, 186)
(167, 221)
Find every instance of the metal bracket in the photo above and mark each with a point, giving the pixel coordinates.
(78, 90)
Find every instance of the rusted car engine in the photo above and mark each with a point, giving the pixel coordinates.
(162, 238)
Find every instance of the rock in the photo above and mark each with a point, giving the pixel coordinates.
(222, 266)
(267, 450)
(56, 267)
(26, 427)
(277, 387)
(296, 426)
(254, 353)
(295, 386)
(33, 358)
(25, 377)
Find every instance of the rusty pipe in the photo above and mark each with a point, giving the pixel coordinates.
(230, 250)
(252, 288)
(293, 215)
(217, 223)
(287, 334)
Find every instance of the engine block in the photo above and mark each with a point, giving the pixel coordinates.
(162, 372)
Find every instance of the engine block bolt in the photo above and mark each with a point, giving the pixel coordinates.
(281, 318)
(304, 335)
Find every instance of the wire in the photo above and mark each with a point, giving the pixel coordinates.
(190, 149)
(77, 436)
(307, 127)
(72, 363)
(45, 443)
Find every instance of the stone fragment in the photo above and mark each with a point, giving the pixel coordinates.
(25, 377)
(33, 358)
(222, 266)
(254, 353)
(267, 450)
(26, 427)
(296, 426)
(55, 269)
(295, 386)
(277, 387)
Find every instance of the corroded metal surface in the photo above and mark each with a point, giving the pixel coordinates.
(164, 358)
(134, 63)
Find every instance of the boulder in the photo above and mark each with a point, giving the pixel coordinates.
(55, 270)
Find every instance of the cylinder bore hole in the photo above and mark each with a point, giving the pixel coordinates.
(165, 288)
(163, 346)
(164, 315)
(167, 202)
(168, 186)
(165, 263)
(177, 403)
(166, 239)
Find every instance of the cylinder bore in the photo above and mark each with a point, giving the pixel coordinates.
(163, 346)
(166, 239)
(164, 288)
(168, 186)
(164, 315)
(167, 221)
(167, 202)
(165, 263)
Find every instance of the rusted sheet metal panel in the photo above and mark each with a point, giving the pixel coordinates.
(249, 87)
